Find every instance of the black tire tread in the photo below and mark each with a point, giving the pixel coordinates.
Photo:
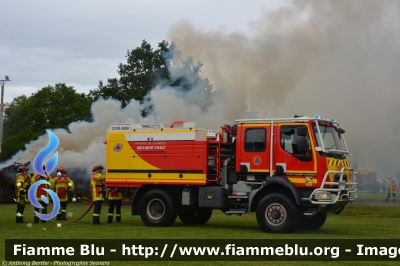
(314, 222)
(292, 210)
(171, 205)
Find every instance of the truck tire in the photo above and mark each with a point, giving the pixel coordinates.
(158, 208)
(315, 222)
(277, 213)
(195, 215)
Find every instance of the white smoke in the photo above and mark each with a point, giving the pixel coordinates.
(333, 58)
(83, 146)
(338, 59)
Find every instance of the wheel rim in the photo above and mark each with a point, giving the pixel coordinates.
(275, 214)
(155, 209)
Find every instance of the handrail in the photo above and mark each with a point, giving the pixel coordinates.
(350, 187)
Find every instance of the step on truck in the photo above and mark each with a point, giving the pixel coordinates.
(291, 171)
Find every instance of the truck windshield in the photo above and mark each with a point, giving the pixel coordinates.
(329, 140)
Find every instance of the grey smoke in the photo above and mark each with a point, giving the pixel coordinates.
(338, 59)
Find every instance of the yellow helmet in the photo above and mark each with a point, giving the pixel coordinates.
(389, 176)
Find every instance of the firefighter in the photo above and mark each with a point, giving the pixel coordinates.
(62, 185)
(114, 197)
(22, 180)
(41, 192)
(391, 188)
(97, 190)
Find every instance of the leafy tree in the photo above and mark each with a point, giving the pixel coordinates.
(59, 106)
(137, 77)
(18, 111)
(145, 68)
(12, 144)
(27, 118)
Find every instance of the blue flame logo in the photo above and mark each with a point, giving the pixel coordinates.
(32, 197)
(44, 153)
(49, 166)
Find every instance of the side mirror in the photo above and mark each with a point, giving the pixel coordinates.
(339, 130)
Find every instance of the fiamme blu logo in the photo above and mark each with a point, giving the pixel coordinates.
(50, 164)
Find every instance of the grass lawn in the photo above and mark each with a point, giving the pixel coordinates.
(372, 196)
(355, 222)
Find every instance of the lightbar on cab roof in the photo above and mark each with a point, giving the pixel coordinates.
(320, 117)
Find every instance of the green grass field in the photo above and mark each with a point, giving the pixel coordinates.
(355, 222)
(379, 197)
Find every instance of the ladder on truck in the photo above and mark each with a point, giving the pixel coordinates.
(213, 160)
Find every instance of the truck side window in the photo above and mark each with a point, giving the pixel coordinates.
(289, 139)
(255, 139)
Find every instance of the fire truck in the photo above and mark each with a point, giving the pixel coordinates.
(291, 172)
(367, 180)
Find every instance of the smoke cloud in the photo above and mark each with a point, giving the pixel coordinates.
(83, 147)
(338, 59)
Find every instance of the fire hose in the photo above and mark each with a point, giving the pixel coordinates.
(83, 215)
(90, 207)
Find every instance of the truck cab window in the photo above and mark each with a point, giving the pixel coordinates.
(255, 139)
(289, 142)
(331, 139)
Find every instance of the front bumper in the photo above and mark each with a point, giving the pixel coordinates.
(339, 191)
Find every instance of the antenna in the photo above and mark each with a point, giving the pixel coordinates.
(296, 116)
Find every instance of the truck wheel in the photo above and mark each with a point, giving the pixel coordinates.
(277, 213)
(195, 215)
(158, 208)
(315, 222)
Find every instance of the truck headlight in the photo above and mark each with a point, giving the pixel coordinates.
(323, 196)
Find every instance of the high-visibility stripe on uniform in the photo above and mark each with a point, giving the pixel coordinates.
(61, 185)
(114, 194)
(21, 186)
(97, 186)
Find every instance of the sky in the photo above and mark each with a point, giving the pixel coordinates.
(338, 59)
(82, 42)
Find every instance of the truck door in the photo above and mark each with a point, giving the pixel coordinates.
(300, 166)
(253, 151)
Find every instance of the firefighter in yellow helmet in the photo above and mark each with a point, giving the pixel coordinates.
(114, 197)
(97, 190)
(62, 185)
(391, 189)
(41, 192)
(22, 180)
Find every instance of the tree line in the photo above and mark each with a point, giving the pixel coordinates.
(27, 117)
